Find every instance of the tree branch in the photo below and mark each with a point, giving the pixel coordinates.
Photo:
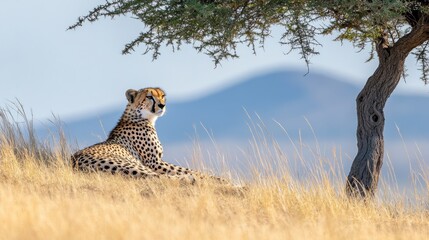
(416, 37)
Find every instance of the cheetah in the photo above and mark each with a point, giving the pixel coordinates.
(132, 147)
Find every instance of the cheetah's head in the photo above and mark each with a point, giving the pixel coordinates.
(146, 103)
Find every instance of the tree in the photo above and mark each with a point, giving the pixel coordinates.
(391, 29)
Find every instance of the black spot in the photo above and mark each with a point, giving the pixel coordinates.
(134, 172)
(106, 167)
(126, 172)
(114, 168)
(375, 118)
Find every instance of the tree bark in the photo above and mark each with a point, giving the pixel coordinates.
(363, 178)
(365, 170)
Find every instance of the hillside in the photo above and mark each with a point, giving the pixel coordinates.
(42, 197)
(285, 96)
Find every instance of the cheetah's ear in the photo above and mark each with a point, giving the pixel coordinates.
(131, 95)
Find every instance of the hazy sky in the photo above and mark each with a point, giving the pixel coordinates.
(70, 73)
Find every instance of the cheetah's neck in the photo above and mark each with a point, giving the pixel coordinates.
(124, 124)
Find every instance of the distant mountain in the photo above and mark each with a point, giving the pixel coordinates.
(287, 97)
(280, 97)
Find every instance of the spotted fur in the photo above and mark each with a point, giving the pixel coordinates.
(133, 147)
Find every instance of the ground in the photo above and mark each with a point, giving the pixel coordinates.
(50, 201)
(41, 197)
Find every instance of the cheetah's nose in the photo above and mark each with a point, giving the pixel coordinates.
(161, 105)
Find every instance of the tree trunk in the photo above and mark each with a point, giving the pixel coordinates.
(365, 170)
(364, 173)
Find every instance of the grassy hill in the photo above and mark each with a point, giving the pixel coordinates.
(41, 197)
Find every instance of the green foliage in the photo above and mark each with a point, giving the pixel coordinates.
(217, 27)
(421, 55)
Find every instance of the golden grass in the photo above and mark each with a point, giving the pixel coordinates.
(42, 198)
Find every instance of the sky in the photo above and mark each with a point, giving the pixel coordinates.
(73, 73)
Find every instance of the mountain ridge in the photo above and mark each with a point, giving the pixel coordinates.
(285, 96)
(317, 111)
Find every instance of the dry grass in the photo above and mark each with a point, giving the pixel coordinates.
(42, 198)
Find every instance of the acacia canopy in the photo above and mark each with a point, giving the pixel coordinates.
(217, 27)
